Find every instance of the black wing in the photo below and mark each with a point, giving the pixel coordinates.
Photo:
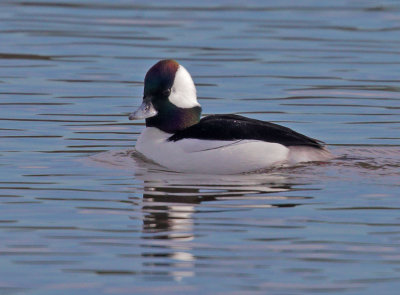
(235, 127)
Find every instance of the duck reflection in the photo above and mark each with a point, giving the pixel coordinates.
(171, 199)
(171, 202)
(169, 210)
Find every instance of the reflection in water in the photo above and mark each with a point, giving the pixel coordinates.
(170, 199)
(168, 214)
(171, 202)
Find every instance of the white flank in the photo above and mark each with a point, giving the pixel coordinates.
(209, 156)
(183, 91)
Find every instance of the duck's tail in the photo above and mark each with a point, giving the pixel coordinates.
(299, 154)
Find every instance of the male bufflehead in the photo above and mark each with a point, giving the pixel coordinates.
(175, 137)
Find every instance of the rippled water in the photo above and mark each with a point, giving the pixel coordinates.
(80, 214)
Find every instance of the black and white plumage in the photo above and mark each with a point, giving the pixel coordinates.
(177, 139)
(234, 127)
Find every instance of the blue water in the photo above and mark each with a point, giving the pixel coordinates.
(79, 215)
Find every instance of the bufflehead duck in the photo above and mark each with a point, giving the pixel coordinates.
(175, 137)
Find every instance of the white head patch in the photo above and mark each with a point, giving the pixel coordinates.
(183, 91)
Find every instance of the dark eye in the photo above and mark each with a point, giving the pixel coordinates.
(166, 92)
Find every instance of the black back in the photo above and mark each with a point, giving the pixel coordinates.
(235, 127)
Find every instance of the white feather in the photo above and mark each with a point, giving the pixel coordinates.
(209, 156)
(183, 91)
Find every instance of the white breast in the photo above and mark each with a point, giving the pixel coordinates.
(209, 156)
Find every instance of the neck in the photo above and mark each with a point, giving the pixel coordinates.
(172, 119)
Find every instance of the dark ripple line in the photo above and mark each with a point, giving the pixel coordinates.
(249, 49)
(55, 174)
(325, 61)
(72, 151)
(83, 199)
(39, 227)
(95, 23)
(324, 27)
(360, 208)
(95, 81)
(319, 97)
(10, 196)
(84, 115)
(14, 253)
(25, 93)
(332, 105)
(99, 145)
(328, 260)
(27, 182)
(99, 139)
(28, 66)
(105, 132)
(373, 122)
(59, 189)
(107, 124)
(97, 96)
(193, 59)
(35, 103)
(384, 224)
(106, 208)
(214, 8)
(12, 129)
(31, 136)
(73, 34)
(352, 87)
(335, 40)
(371, 280)
(89, 237)
(24, 56)
(364, 145)
(269, 76)
(54, 120)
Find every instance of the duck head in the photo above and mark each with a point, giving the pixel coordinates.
(169, 100)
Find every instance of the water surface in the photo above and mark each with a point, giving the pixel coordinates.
(79, 215)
